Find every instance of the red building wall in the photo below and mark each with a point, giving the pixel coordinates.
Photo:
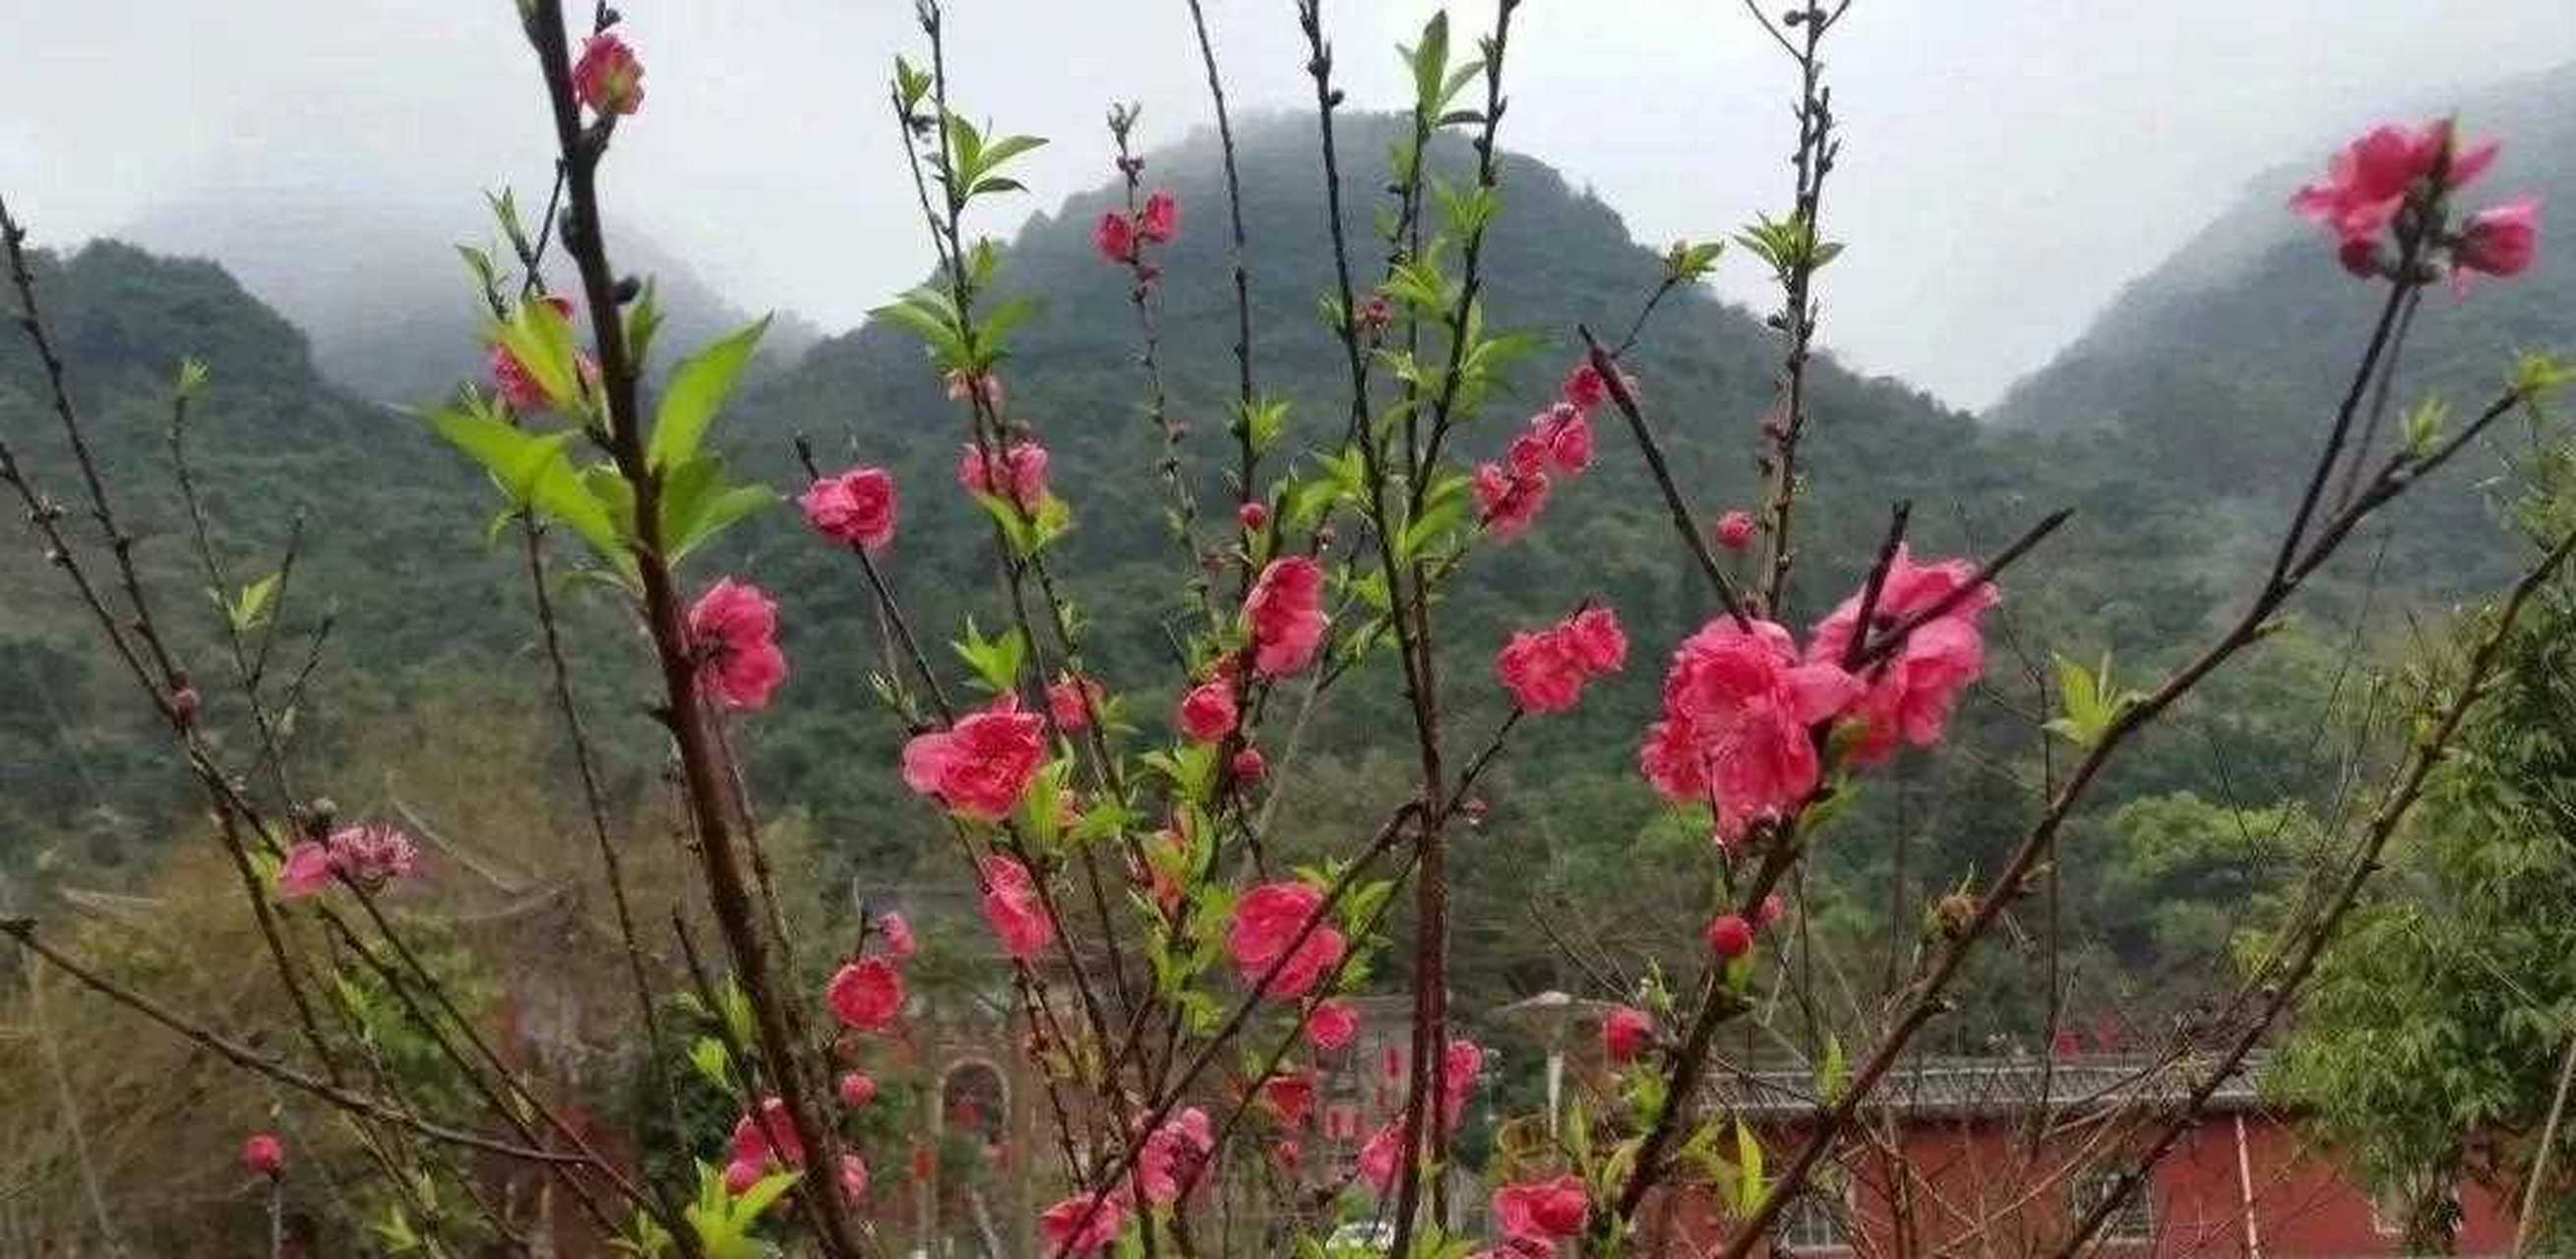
(1970, 1187)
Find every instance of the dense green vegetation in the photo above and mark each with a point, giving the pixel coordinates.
(396, 553)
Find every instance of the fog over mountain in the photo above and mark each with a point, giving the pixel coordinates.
(2007, 164)
(379, 290)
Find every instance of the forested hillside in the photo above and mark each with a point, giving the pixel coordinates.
(2210, 370)
(423, 606)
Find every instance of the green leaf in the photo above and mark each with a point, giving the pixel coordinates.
(996, 661)
(707, 1054)
(1004, 149)
(697, 504)
(250, 610)
(2424, 425)
(748, 1205)
(540, 338)
(1748, 1157)
(697, 391)
(1430, 64)
(643, 324)
(1833, 1076)
(517, 460)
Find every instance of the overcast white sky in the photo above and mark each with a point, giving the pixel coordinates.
(2009, 162)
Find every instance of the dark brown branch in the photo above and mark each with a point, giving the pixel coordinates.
(581, 149)
(1683, 521)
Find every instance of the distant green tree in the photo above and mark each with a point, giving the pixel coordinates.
(2430, 1043)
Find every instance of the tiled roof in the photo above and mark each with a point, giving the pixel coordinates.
(1956, 1087)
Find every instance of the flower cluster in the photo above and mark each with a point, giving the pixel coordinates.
(1021, 476)
(2368, 185)
(1910, 694)
(1461, 1063)
(1544, 1212)
(1738, 704)
(1121, 237)
(1741, 703)
(369, 856)
(1174, 1154)
(1510, 493)
(764, 1139)
(1084, 1224)
(1546, 670)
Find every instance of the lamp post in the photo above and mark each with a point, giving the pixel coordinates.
(1548, 1015)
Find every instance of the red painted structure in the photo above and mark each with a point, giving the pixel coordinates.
(1952, 1168)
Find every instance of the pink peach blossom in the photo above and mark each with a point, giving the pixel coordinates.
(2501, 241)
(1546, 1210)
(980, 767)
(1910, 696)
(734, 628)
(1461, 1064)
(1507, 502)
(1543, 670)
(866, 994)
(1737, 708)
(1023, 479)
(1013, 909)
(1729, 936)
(1379, 1155)
(1173, 1155)
(608, 78)
(1207, 713)
(1285, 615)
(856, 508)
(1584, 388)
(1066, 1232)
(1735, 530)
(1600, 644)
(264, 1155)
(1332, 1024)
(1071, 701)
(1289, 1096)
(1625, 1034)
(1266, 921)
(373, 855)
(306, 871)
(1115, 237)
(1160, 218)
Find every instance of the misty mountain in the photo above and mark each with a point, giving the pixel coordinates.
(396, 529)
(2216, 370)
(377, 287)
